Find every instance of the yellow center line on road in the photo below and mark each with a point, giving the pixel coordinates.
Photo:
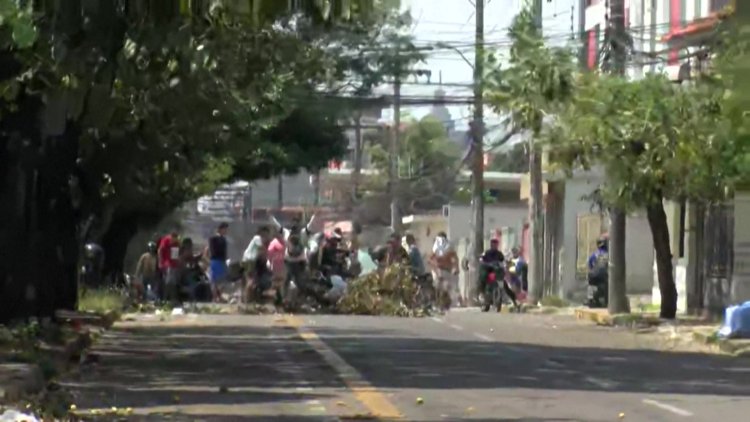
(374, 400)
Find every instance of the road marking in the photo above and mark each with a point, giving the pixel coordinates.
(375, 401)
(668, 407)
(436, 319)
(457, 327)
(483, 337)
(606, 385)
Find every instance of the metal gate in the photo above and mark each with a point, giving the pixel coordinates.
(718, 254)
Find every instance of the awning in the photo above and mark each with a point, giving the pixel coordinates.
(696, 31)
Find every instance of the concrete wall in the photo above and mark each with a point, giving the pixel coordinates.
(297, 191)
(495, 216)
(425, 232)
(639, 245)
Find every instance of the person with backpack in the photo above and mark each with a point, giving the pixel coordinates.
(598, 277)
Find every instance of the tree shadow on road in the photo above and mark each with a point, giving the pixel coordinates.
(156, 367)
(390, 362)
(152, 367)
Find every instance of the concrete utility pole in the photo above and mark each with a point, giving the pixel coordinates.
(356, 172)
(618, 300)
(536, 204)
(395, 142)
(477, 149)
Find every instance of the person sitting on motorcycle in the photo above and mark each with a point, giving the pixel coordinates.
(520, 269)
(598, 277)
(492, 261)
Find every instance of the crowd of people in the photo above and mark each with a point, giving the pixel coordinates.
(277, 255)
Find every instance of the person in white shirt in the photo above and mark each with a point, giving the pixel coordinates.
(255, 258)
(296, 228)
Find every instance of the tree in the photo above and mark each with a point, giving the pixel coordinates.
(514, 160)
(143, 105)
(427, 164)
(656, 141)
(531, 90)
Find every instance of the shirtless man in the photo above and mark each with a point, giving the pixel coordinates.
(444, 262)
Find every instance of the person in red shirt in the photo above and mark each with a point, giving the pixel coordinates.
(169, 253)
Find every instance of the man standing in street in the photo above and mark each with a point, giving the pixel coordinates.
(444, 262)
(415, 256)
(217, 255)
(169, 253)
(147, 274)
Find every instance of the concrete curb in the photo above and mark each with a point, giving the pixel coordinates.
(19, 380)
(738, 348)
(603, 317)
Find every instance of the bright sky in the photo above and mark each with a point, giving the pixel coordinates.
(452, 21)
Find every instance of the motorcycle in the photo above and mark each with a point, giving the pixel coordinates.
(597, 294)
(494, 275)
(425, 296)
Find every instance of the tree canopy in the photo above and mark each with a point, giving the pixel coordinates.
(114, 113)
(427, 166)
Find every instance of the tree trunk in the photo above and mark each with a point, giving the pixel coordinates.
(618, 298)
(696, 213)
(657, 220)
(115, 243)
(536, 217)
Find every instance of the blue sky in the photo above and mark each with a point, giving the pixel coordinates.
(452, 21)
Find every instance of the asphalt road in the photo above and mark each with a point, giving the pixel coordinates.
(464, 366)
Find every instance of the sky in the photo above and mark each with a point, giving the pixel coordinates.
(453, 21)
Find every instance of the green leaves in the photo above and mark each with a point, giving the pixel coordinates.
(23, 31)
(538, 80)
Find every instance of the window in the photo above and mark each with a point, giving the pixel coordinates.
(589, 230)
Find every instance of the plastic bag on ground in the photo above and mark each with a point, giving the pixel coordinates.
(736, 322)
(16, 416)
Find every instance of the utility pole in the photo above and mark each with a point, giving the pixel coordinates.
(618, 300)
(280, 192)
(536, 204)
(395, 142)
(357, 156)
(477, 149)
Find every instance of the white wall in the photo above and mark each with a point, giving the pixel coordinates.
(495, 217)
(639, 245)
(425, 232)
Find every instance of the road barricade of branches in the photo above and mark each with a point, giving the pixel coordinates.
(391, 291)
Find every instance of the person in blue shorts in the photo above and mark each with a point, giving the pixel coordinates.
(217, 254)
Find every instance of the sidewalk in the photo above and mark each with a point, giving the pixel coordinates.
(692, 328)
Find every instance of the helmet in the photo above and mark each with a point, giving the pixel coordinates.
(151, 247)
(602, 243)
